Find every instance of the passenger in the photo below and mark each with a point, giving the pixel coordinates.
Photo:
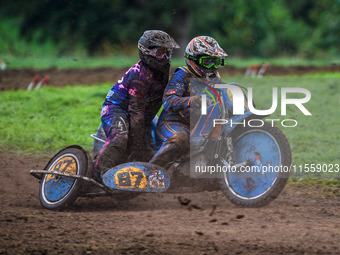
(133, 102)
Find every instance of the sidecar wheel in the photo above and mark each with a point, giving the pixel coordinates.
(59, 192)
(268, 149)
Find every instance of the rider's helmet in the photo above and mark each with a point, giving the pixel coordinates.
(203, 55)
(155, 49)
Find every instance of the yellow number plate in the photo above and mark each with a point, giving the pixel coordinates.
(64, 165)
(131, 178)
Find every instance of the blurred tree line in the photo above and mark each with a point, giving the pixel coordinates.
(308, 28)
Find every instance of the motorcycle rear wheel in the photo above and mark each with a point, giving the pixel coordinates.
(269, 151)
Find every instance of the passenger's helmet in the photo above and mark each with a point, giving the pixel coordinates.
(203, 55)
(155, 49)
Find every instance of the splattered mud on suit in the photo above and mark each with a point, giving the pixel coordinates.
(173, 127)
(127, 112)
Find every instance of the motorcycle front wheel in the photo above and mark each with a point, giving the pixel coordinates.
(257, 184)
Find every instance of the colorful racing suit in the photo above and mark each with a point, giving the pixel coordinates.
(126, 114)
(173, 127)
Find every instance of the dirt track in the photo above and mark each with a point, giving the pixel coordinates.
(14, 79)
(295, 223)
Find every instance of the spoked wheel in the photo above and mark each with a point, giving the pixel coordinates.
(269, 152)
(59, 192)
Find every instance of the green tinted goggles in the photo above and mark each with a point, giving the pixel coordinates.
(207, 61)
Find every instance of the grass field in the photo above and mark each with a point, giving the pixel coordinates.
(49, 119)
(41, 60)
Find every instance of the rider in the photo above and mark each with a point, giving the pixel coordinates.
(203, 56)
(133, 101)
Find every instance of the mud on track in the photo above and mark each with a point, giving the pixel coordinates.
(14, 79)
(295, 223)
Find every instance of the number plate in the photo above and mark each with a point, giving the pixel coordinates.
(137, 176)
(64, 165)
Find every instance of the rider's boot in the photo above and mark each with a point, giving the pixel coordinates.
(171, 150)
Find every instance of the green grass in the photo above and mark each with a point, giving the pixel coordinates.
(316, 187)
(50, 118)
(40, 60)
(321, 75)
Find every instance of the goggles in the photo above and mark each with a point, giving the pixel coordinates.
(158, 53)
(207, 61)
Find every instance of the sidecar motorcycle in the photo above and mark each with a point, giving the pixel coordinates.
(254, 159)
